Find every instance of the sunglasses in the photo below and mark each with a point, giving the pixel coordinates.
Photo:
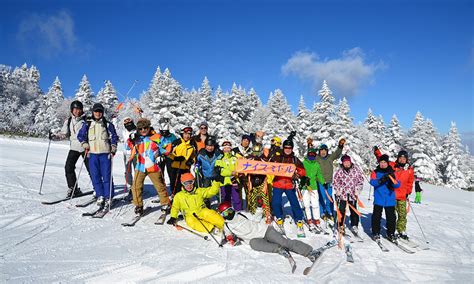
(273, 140)
(288, 148)
(203, 127)
(189, 182)
(143, 128)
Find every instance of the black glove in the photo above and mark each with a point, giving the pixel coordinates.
(133, 136)
(217, 170)
(113, 149)
(171, 221)
(50, 135)
(179, 158)
(326, 186)
(189, 163)
(375, 148)
(304, 181)
(384, 179)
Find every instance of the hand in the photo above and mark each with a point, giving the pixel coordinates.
(326, 186)
(384, 179)
(341, 143)
(179, 158)
(86, 146)
(171, 221)
(50, 135)
(133, 136)
(219, 178)
(113, 149)
(304, 181)
(375, 148)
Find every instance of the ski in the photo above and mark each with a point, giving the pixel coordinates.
(91, 213)
(292, 262)
(87, 203)
(348, 250)
(161, 219)
(320, 250)
(381, 246)
(357, 236)
(412, 244)
(400, 246)
(136, 218)
(66, 198)
(101, 213)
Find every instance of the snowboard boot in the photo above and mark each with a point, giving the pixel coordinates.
(139, 210)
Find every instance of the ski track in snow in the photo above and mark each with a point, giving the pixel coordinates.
(43, 244)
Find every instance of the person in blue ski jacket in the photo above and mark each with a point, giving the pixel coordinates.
(384, 182)
(99, 139)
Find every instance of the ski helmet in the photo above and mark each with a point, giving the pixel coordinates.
(76, 104)
(98, 107)
(187, 177)
(288, 144)
(323, 147)
(210, 141)
(187, 129)
(276, 141)
(226, 144)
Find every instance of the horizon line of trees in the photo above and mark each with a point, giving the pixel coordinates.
(437, 159)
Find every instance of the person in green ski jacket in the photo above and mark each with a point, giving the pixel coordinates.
(310, 189)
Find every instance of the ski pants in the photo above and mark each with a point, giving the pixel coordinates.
(342, 208)
(230, 193)
(158, 182)
(208, 218)
(325, 205)
(100, 166)
(311, 203)
(175, 183)
(401, 209)
(389, 216)
(277, 205)
(274, 240)
(253, 200)
(418, 197)
(70, 167)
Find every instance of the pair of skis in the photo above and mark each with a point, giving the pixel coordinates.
(136, 218)
(56, 201)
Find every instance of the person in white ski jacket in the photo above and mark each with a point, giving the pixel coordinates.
(260, 236)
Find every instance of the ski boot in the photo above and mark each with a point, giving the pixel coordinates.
(283, 252)
(314, 255)
(280, 225)
(355, 230)
(73, 193)
(376, 237)
(300, 230)
(139, 210)
(392, 238)
(403, 235)
(166, 209)
(100, 201)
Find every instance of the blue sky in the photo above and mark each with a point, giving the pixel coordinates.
(394, 57)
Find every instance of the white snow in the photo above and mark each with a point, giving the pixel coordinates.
(43, 244)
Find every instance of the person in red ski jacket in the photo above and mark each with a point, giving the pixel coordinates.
(404, 173)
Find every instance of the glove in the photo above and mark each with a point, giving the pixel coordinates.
(326, 186)
(304, 181)
(133, 136)
(50, 135)
(218, 178)
(341, 143)
(86, 146)
(179, 158)
(171, 221)
(113, 149)
(189, 163)
(375, 148)
(384, 179)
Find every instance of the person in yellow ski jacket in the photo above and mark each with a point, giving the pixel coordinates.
(182, 157)
(191, 200)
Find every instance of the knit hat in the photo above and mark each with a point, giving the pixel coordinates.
(346, 158)
(402, 153)
(384, 157)
(288, 143)
(203, 123)
(323, 147)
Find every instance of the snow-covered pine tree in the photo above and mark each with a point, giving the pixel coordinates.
(220, 121)
(203, 105)
(452, 151)
(107, 96)
(303, 124)
(433, 149)
(237, 113)
(85, 95)
(370, 135)
(323, 118)
(416, 145)
(48, 117)
(344, 128)
(394, 137)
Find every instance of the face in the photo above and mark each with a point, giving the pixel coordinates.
(323, 152)
(288, 150)
(402, 160)
(76, 112)
(127, 121)
(186, 136)
(226, 149)
(144, 130)
(245, 143)
(383, 164)
(209, 148)
(347, 164)
(189, 185)
(97, 114)
(203, 129)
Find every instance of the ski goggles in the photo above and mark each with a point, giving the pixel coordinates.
(227, 212)
(189, 182)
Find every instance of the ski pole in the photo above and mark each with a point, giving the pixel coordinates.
(209, 232)
(46, 160)
(413, 211)
(179, 228)
(111, 181)
(77, 180)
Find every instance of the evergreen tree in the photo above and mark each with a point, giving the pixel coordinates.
(323, 117)
(203, 105)
(107, 96)
(303, 125)
(433, 149)
(84, 94)
(394, 137)
(452, 174)
(220, 121)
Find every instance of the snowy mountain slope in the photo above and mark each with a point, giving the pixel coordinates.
(55, 243)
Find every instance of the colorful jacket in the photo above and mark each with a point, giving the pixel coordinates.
(326, 164)
(227, 163)
(184, 149)
(313, 172)
(100, 134)
(406, 176)
(192, 202)
(287, 182)
(348, 182)
(166, 144)
(384, 194)
(147, 150)
(206, 163)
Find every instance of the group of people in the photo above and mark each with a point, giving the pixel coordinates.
(200, 170)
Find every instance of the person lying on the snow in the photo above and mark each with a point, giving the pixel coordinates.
(191, 200)
(260, 236)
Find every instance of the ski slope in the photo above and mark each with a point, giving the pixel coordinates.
(43, 244)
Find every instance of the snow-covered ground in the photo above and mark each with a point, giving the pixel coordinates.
(40, 243)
